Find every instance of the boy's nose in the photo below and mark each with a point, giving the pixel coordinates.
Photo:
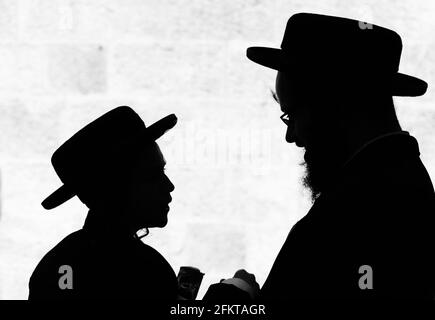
(171, 185)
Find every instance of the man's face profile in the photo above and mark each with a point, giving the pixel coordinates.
(312, 125)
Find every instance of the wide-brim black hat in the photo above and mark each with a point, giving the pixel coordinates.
(111, 142)
(334, 45)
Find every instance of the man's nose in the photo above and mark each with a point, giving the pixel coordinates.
(290, 136)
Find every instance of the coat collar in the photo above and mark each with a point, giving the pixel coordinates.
(375, 156)
(375, 140)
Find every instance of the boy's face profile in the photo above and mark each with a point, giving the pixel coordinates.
(148, 190)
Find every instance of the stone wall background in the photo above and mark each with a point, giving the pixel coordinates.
(65, 62)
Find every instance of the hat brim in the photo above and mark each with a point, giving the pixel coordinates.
(402, 84)
(408, 86)
(154, 132)
(159, 128)
(61, 195)
(268, 57)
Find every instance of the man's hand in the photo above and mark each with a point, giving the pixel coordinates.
(242, 287)
(249, 278)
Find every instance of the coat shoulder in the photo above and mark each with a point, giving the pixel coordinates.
(45, 274)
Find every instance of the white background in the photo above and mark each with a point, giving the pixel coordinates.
(63, 63)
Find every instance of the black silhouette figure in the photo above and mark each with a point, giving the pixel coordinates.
(370, 231)
(116, 168)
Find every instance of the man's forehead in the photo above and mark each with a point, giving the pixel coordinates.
(281, 92)
(281, 89)
(276, 98)
(290, 88)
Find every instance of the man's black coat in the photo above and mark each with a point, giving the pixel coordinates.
(379, 216)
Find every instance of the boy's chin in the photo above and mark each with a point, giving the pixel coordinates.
(161, 223)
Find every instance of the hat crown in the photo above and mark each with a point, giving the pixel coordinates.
(336, 42)
(99, 143)
(98, 154)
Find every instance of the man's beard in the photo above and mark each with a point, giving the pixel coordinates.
(321, 169)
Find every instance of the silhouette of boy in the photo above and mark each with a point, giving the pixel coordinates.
(115, 167)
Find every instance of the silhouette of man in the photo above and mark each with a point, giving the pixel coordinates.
(116, 169)
(370, 231)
